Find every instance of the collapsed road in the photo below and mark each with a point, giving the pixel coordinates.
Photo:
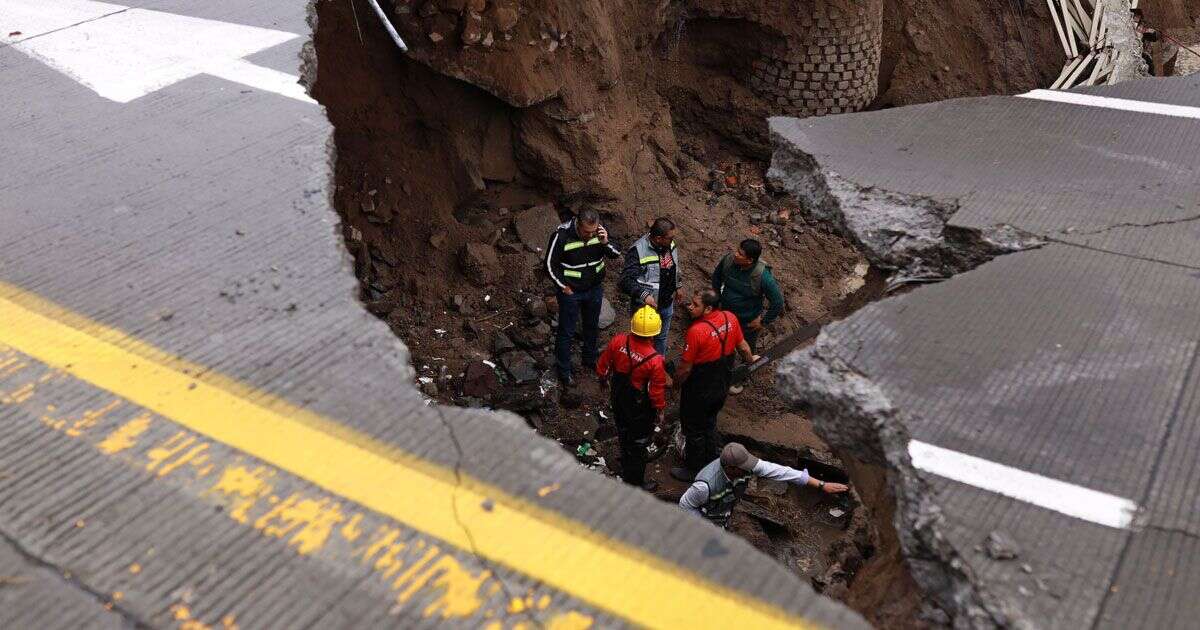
(203, 427)
(201, 424)
(1035, 416)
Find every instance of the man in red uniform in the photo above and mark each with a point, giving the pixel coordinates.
(704, 374)
(638, 377)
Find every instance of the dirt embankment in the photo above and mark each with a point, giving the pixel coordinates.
(455, 161)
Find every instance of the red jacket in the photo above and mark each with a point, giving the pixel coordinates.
(653, 371)
(703, 344)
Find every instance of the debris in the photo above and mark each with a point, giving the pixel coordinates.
(520, 366)
(472, 32)
(536, 308)
(535, 225)
(459, 304)
(479, 380)
(1027, 568)
(502, 344)
(731, 180)
(438, 239)
(837, 513)
(488, 505)
(505, 19)
(546, 490)
(14, 33)
(435, 37)
(1000, 547)
(479, 264)
(428, 387)
(756, 218)
(584, 449)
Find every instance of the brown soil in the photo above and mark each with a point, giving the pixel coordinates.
(638, 109)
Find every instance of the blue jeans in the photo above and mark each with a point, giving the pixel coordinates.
(570, 308)
(660, 340)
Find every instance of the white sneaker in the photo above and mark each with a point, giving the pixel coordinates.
(736, 389)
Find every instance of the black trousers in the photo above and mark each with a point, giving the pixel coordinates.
(703, 396)
(634, 417)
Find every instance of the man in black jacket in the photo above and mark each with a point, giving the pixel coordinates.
(575, 261)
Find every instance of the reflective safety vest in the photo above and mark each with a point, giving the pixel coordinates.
(650, 277)
(574, 262)
(723, 493)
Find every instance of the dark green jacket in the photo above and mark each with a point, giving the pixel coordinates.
(737, 293)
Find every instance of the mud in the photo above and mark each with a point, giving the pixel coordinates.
(454, 162)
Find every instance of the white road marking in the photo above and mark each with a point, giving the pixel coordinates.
(123, 54)
(1066, 498)
(1144, 107)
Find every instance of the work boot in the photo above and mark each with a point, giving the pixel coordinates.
(734, 390)
(682, 474)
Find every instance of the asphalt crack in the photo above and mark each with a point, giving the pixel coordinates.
(1117, 226)
(474, 547)
(69, 577)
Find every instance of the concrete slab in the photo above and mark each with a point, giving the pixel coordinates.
(198, 412)
(1071, 360)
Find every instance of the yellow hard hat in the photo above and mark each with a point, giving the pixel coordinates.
(646, 322)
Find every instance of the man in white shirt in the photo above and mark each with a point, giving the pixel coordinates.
(720, 484)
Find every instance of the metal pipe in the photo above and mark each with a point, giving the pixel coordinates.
(388, 25)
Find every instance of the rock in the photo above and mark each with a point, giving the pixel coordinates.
(471, 329)
(521, 367)
(717, 186)
(504, 17)
(607, 314)
(533, 338)
(756, 218)
(472, 32)
(502, 344)
(435, 37)
(428, 387)
(429, 9)
(480, 264)
(535, 225)
(536, 308)
(459, 304)
(781, 217)
(476, 6)
(438, 239)
(508, 247)
(1000, 547)
(480, 380)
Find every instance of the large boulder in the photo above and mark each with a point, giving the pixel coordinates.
(535, 225)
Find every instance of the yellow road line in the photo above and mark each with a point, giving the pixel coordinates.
(609, 574)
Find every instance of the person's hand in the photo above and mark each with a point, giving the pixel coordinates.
(679, 297)
(567, 291)
(834, 488)
(755, 324)
(650, 301)
(755, 358)
(602, 234)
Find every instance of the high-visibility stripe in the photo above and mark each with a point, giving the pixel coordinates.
(572, 274)
(573, 245)
(648, 259)
(595, 241)
(600, 267)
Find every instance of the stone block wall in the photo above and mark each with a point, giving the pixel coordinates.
(832, 67)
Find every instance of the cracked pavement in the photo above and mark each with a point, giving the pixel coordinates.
(1070, 360)
(203, 425)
